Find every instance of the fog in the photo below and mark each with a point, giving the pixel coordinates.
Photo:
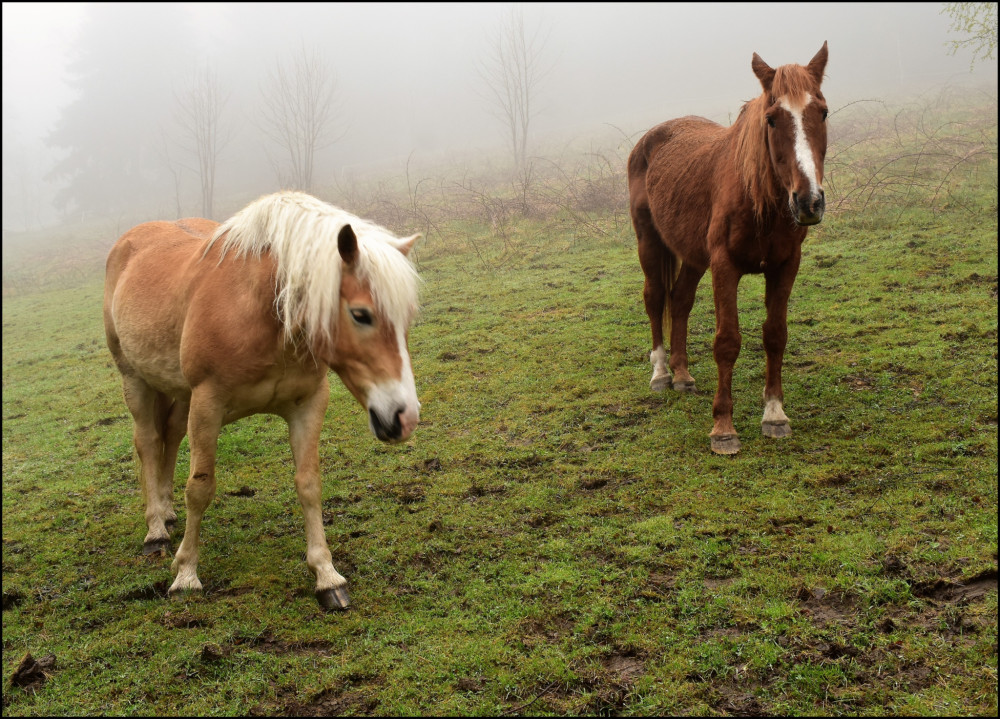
(90, 90)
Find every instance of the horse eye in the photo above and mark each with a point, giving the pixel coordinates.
(825, 113)
(362, 317)
(770, 121)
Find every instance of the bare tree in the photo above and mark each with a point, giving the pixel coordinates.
(299, 112)
(199, 113)
(512, 72)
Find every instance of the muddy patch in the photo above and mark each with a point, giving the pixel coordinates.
(824, 607)
(31, 673)
(970, 590)
(545, 630)
(12, 599)
(333, 702)
(271, 644)
(183, 620)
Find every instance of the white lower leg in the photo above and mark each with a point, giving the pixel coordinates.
(661, 373)
(775, 422)
(774, 413)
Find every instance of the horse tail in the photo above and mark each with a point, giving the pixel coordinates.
(671, 270)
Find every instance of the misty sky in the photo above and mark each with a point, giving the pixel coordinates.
(408, 73)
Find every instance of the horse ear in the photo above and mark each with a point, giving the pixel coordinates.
(347, 243)
(818, 64)
(406, 245)
(763, 71)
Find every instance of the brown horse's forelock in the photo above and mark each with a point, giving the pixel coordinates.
(753, 157)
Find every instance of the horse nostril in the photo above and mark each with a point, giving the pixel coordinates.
(795, 197)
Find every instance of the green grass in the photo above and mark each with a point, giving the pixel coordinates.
(555, 539)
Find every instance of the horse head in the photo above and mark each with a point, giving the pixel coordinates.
(369, 351)
(796, 132)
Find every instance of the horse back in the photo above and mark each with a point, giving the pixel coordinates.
(175, 315)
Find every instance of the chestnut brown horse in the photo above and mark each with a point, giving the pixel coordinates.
(734, 200)
(210, 323)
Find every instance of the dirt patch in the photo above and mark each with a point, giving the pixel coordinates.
(547, 630)
(625, 668)
(271, 644)
(716, 582)
(183, 620)
(591, 483)
(737, 699)
(243, 491)
(12, 599)
(333, 702)
(859, 382)
(538, 521)
(31, 673)
(466, 684)
(943, 590)
(476, 491)
(824, 607)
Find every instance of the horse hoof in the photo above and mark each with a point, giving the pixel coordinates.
(725, 444)
(684, 386)
(156, 546)
(777, 430)
(334, 599)
(659, 382)
(183, 592)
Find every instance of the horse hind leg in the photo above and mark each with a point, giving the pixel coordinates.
(684, 285)
(174, 424)
(654, 258)
(145, 404)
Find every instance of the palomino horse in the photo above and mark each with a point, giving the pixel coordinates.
(210, 323)
(735, 200)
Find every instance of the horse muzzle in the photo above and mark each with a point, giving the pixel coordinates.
(807, 209)
(395, 428)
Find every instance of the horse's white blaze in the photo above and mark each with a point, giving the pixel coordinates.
(803, 150)
(387, 398)
(774, 413)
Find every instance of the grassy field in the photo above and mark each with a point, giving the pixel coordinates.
(555, 539)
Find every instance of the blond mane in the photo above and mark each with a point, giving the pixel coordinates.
(300, 233)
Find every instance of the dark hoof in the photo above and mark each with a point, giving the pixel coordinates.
(156, 546)
(658, 384)
(777, 430)
(334, 599)
(725, 444)
(685, 386)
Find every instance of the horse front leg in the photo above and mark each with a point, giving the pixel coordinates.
(204, 423)
(725, 280)
(778, 288)
(304, 424)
